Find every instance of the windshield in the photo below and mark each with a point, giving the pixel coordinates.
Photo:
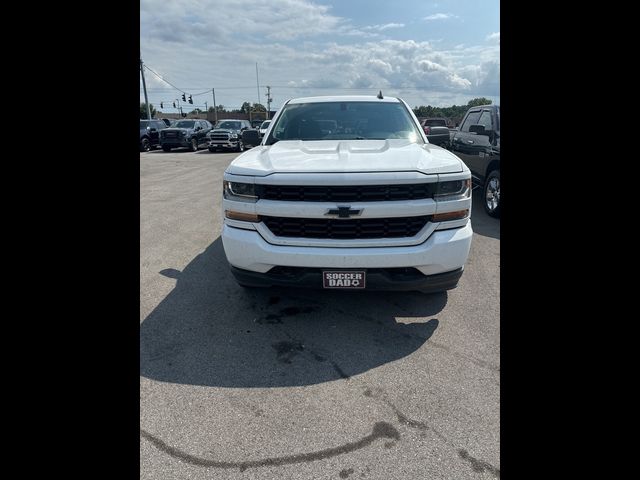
(229, 125)
(265, 124)
(344, 121)
(184, 124)
(144, 123)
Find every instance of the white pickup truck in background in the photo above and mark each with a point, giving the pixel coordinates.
(346, 192)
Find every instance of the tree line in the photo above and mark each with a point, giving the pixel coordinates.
(454, 113)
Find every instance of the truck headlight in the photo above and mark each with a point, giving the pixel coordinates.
(241, 192)
(234, 135)
(453, 190)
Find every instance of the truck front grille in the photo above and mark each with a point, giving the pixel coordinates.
(398, 227)
(220, 136)
(346, 193)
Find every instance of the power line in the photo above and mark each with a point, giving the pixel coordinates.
(390, 87)
(192, 88)
(166, 81)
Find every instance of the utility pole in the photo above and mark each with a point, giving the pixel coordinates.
(257, 83)
(206, 111)
(215, 109)
(144, 86)
(268, 101)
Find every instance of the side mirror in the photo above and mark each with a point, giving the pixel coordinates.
(479, 130)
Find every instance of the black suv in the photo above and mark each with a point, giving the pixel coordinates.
(150, 134)
(228, 134)
(185, 133)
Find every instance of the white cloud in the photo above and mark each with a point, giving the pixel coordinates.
(386, 26)
(183, 21)
(494, 37)
(302, 49)
(439, 16)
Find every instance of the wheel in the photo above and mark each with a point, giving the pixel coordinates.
(492, 194)
(212, 149)
(145, 145)
(240, 146)
(166, 149)
(193, 147)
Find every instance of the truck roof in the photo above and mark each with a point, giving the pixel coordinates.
(344, 98)
(485, 106)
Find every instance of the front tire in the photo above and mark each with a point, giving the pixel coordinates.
(145, 145)
(166, 149)
(492, 194)
(213, 149)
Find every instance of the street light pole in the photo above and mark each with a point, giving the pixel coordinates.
(144, 87)
(215, 110)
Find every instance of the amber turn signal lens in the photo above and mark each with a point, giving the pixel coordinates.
(443, 217)
(245, 217)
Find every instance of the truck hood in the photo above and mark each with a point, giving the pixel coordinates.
(174, 129)
(224, 130)
(339, 156)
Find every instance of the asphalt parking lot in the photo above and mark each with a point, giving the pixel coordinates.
(287, 384)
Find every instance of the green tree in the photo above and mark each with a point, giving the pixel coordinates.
(258, 107)
(143, 111)
(476, 102)
(246, 107)
(197, 110)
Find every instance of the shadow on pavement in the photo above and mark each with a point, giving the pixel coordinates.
(482, 223)
(209, 331)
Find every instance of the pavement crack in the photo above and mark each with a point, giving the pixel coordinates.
(478, 465)
(380, 430)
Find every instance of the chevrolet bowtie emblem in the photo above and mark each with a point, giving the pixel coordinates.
(343, 211)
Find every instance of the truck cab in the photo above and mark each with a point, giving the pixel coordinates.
(477, 143)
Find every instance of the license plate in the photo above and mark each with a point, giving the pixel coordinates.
(344, 279)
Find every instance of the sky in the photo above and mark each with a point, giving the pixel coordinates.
(428, 53)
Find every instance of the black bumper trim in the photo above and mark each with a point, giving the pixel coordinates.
(377, 279)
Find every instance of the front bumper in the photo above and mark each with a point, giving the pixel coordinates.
(377, 279)
(223, 143)
(444, 251)
(175, 142)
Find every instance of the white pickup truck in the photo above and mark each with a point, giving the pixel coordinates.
(346, 192)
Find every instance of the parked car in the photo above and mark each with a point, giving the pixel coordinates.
(185, 133)
(263, 128)
(227, 134)
(150, 134)
(366, 206)
(437, 131)
(477, 143)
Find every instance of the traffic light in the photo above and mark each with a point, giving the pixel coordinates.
(161, 105)
(174, 104)
(190, 100)
(184, 99)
